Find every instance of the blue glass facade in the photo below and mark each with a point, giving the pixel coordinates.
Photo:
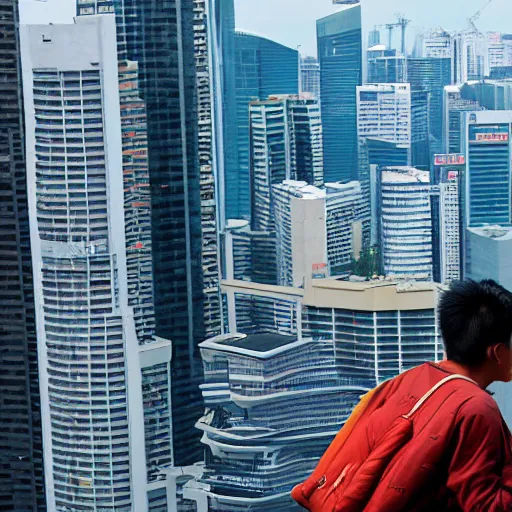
(341, 71)
(420, 141)
(263, 68)
(384, 153)
(221, 44)
(488, 180)
(431, 75)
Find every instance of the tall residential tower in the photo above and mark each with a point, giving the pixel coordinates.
(105, 377)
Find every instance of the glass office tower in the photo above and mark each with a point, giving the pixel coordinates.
(263, 68)
(431, 75)
(341, 71)
(160, 37)
(488, 185)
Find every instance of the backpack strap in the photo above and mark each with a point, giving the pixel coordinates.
(440, 384)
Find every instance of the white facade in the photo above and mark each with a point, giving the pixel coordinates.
(470, 56)
(495, 50)
(384, 111)
(100, 365)
(436, 44)
(405, 218)
(450, 229)
(316, 228)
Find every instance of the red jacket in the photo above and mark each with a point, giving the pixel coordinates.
(459, 457)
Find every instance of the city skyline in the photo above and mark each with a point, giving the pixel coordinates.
(299, 29)
(216, 241)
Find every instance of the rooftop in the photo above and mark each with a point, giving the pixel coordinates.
(259, 342)
(501, 233)
(375, 295)
(404, 175)
(259, 346)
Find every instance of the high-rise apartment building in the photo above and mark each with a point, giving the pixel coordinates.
(104, 376)
(160, 38)
(405, 223)
(450, 226)
(210, 205)
(350, 337)
(310, 76)
(286, 143)
(21, 456)
(263, 68)
(488, 177)
(384, 112)
(340, 53)
(431, 75)
(454, 108)
(316, 227)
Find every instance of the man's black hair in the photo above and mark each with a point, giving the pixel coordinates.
(474, 316)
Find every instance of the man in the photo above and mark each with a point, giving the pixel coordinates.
(454, 453)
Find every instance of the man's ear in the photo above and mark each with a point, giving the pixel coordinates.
(496, 353)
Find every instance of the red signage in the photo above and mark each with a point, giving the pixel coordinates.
(320, 270)
(455, 159)
(453, 175)
(492, 137)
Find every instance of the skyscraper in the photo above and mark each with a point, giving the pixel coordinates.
(220, 18)
(263, 68)
(420, 113)
(340, 54)
(437, 44)
(104, 376)
(310, 76)
(450, 228)
(495, 51)
(454, 108)
(384, 112)
(469, 56)
(286, 144)
(160, 38)
(405, 223)
(488, 180)
(210, 205)
(431, 75)
(21, 457)
(316, 226)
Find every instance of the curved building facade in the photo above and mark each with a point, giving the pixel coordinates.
(273, 404)
(405, 218)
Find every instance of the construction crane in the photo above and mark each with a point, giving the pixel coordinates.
(477, 15)
(390, 27)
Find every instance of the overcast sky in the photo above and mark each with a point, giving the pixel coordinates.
(292, 22)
